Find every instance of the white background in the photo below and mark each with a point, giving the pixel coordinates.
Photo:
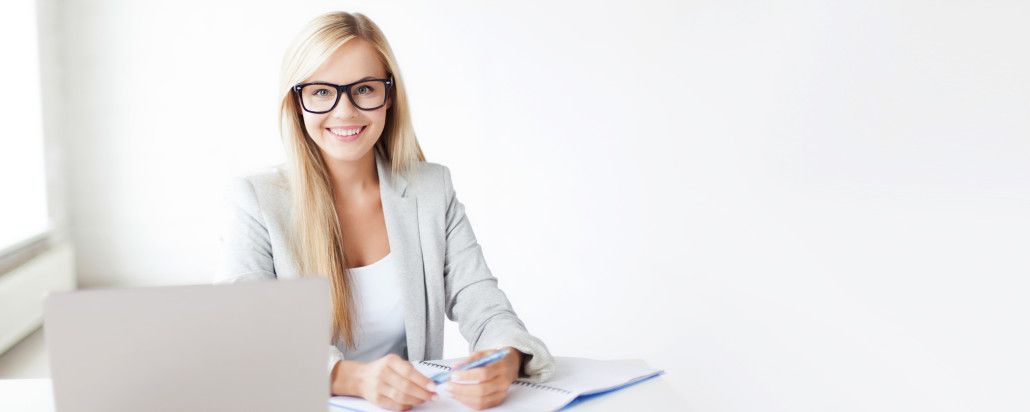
(788, 205)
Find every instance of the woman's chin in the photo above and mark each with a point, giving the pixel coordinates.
(335, 150)
(338, 154)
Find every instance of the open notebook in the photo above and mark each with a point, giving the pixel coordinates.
(574, 379)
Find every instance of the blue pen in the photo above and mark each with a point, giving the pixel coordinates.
(486, 360)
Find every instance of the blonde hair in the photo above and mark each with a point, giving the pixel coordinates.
(316, 237)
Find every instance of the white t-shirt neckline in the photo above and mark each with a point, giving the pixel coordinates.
(379, 310)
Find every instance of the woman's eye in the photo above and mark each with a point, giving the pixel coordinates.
(364, 89)
(322, 93)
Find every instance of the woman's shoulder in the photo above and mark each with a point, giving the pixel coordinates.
(428, 177)
(272, 182)
(427, 170)
(263, 183)
(268, 178)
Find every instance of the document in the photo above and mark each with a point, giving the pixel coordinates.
(574, 379)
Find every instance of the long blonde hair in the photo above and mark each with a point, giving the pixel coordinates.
(316, 237)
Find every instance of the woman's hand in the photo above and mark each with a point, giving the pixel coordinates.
(487, 386)
(389, 382)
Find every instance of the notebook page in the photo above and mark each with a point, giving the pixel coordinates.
(585, 376)
(522, 396)
(351, 403)
(573, 377)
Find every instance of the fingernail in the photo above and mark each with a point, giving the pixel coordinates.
(456, 379)
(431, 387)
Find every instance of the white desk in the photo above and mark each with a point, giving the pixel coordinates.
(35, 395)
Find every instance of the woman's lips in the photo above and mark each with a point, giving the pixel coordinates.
(345, 138)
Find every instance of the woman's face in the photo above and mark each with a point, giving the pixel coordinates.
(332, 131)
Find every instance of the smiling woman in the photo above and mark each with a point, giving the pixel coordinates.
(364, 110)
(358, 204)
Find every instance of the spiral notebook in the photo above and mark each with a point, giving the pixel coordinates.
(574, 379)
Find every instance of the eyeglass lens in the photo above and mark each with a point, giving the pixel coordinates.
(365, 95)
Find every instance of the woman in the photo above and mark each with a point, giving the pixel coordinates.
(358, 203)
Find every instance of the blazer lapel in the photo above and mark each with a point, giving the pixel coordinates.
(402, 229)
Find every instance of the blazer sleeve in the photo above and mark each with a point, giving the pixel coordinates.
(246, 249)
(483, 312)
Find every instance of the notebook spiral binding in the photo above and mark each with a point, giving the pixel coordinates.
(543, 387)
(435, 365)
(520, 383)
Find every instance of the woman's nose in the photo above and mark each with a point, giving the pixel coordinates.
(344, 108)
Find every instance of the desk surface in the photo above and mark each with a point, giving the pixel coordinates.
(35, 395)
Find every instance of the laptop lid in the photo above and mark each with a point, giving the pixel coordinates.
(250, 346)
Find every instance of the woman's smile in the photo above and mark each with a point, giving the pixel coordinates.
(346, 133)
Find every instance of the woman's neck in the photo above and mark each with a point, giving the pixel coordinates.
(351, 179)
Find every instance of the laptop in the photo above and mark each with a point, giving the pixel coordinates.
(250, 346)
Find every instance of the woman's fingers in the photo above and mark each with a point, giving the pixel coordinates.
(404, 368)
(402, 396)
(480, 374)
(384, 401)
(409, 382)
(472, 357)
(484, 373)
(482, 402)
(391, 382)
(478, 390)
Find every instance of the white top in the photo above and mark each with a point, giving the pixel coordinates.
(379, 326)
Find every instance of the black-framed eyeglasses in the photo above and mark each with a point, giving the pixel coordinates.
(320, 97)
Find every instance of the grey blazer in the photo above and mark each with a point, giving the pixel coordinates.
(444, 272)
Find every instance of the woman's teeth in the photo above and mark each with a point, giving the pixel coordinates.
(345, 132)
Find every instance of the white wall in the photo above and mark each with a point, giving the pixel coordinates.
(788, 205)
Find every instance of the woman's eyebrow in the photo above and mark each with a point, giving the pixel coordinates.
(358, 80)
